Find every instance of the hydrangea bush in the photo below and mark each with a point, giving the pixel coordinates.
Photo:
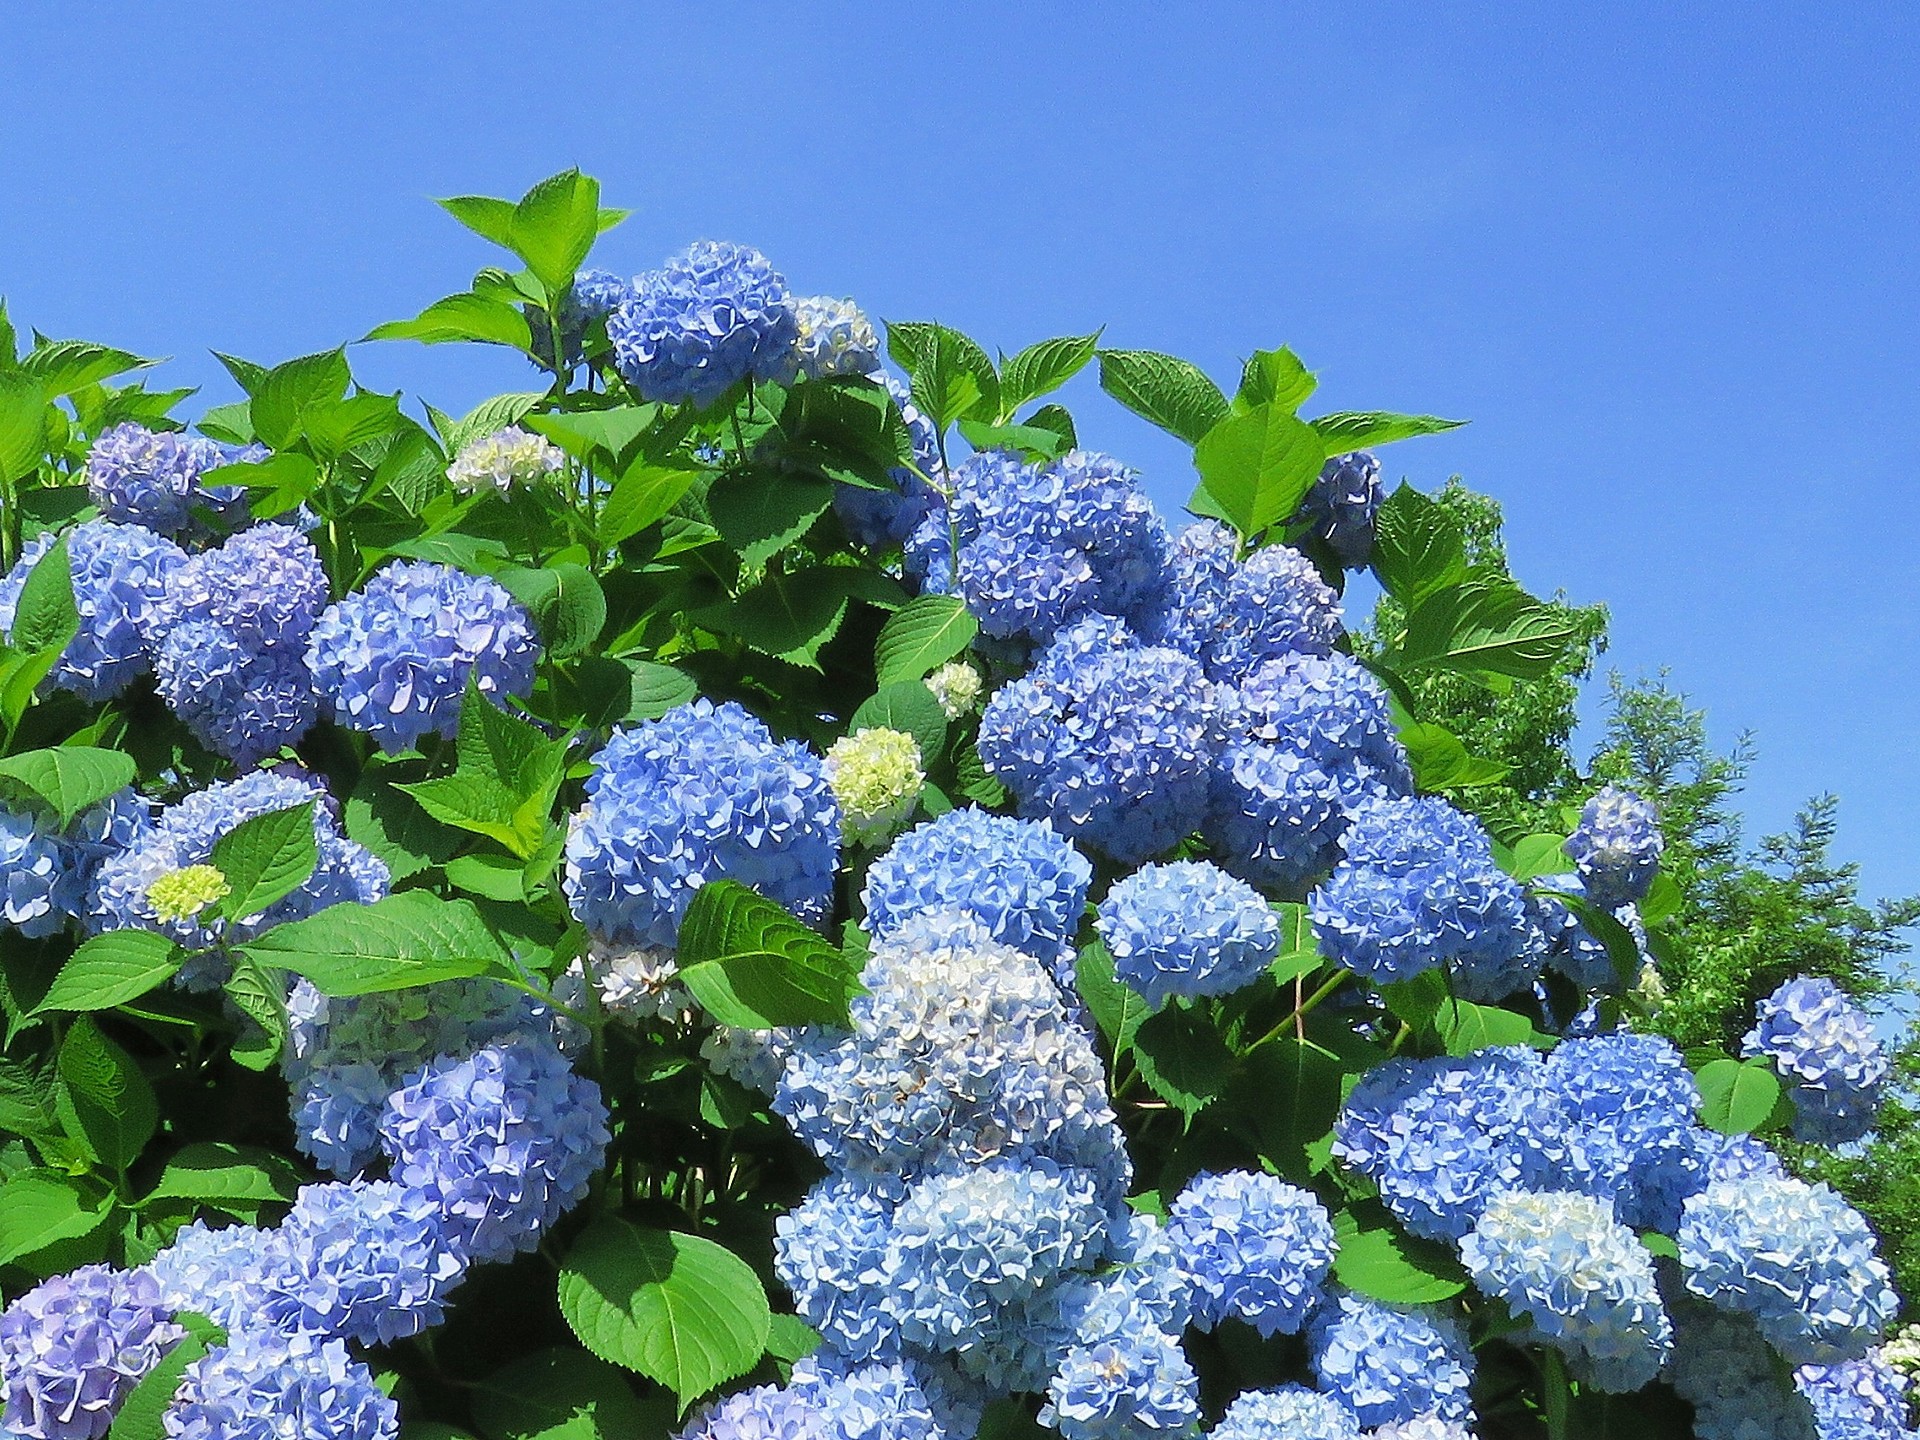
(754, 887)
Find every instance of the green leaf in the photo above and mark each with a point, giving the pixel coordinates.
(1485, 625)
(640, 498)
(288, 390)
(489, 416)
(761, 511)
(1042, 368)
(657, 689)
(105, 1103)
(922, 636)
(508, 776)
(403, 941)
(484, 215)
(265, 859)
(1172, 393)
(111, 969)
(1536, 855)
(64, 780)
(909, 706)
(560, 1394)
(953, 379)
(259, 998)
(790, 1338)
(1621, 946)
(23, 425)
(27, 1094)
(1417, 1000)
(39, 1208)
(751, 964)
(140, 1416)
(1465, 1027)
(1287, 1094)
(1379, 1260)
(1258, 466)
(223, 1175)
(392, 824)
(791, 616)
(1737, 1096)
(1182, 1058)
(462, 317)
(1419, 549)
(1059, 421)
(565, 601)
(491, 877)
(1440, 761)
(45, 618)
(678, 1308)
(274, 485)
(1349, 430)
(1299, 946)
(1035, 443)
(64, 366)
(1276, 378)
(584, 432)
(554, 227)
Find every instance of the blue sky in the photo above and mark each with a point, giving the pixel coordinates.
(1664, 257)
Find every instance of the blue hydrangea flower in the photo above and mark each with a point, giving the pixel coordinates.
(47, 873)
(504, 1141)
(712, 316)
(831, 1252)
(119, 575)
(1629, 1136)
(1734, 1157)
(1825, 1048)
(1041, 545)
(1425, 1427)
(867, 1402)
(883, 519)
(243, 703)
(1018, 878)
(1256, 1248)
(1187, 928)
(1341, 506)
(265, 586)
(594, 295)
(1390, 1364)
(836, 338)
(1864, 1399)
(394, 658)
(158, 479)
(1726, 1371)
(1274, 817)
(1133, 1383)
(705, 793)
(367, 1262)
(1292, 1411)
(1418, 887)
(1585, 1281)
(73, 1346)
(962, 1051)
(229, 1274)
(1111, 740)
(1616, 847)
(269, 1385)
(185, 834)
(1232, 615)
(1796, 1257)
(1568, 948)
(764, 1412)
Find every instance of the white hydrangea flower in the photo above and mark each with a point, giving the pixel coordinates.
(877, 777)
(957, 686)
(504, 459)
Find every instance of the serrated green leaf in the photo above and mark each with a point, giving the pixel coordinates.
(1276, 378)
(406, 940)
(1258, 466)
(1349, 430)
(1536, 855)
(1172, 393)
(39, 1208)
(221, 1175)
(64, 780)
(285, 391)
(1465, 1027)
(1035, 443)
(566, 602)
(1182, 1058)
(790, 617)
(45, 619)
(462, 317)
(642, 497)
(554, 226)
(1285, 1096)
(260, 999)
(760, 511)
(23, 424)
(560, 1394)
(906, 706)
(1042, 368)
(1117, 1008)
(64, 366)
(751, 964)
(1419, 548)
(111, 969)
(265, 859)
(105, 1102)
(1485, 625)
(953, 378)
(484, 215)
(1378, 1259)
(585, 433)
(657, 689)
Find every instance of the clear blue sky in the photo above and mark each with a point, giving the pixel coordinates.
(1664, 257)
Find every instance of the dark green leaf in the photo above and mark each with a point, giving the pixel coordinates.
(1287, 1093)
(105, 1102)
(223, 1175)
(751, 964)
(1170, 392)
(45, 618)
(1465, 1027)
(791, 616)
(657, 689)
(392, 824)
(257, 996)
(760, 511)
(64, 780)
(565, 601)
(403, 941)
(1182, 1058)
(560, 1394)
(265, 859)
(1056, 419)
(113, 968)
(1485, 625)
(907, 706)
(1418, 548)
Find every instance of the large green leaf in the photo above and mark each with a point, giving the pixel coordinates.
(1172, 393)
(506, 781)
(113, 968)
(1286, 1094)
(562, 1394)
(1042, 368)
(288, 390)
(921, 636)
(222, 1175)
(1182, 1058)
(462, 317)
(1465, 1027)
(1440, 761)
(1485, 625)
(760, 511)
(64, 366)
(791, 616)
(953, 378)
(259, 996)
(642, 497)
(749, 963)
(65, 779)
(1418, 548)
(586, 434)
(1737, 1097)
(1347, 430)
(265, 859)
(1258, 466)
(23, 424)
(566, 603)
(45, 618)
(1117, 1008)
(908, 706)
(1276, 378)
(554, 226)
(1378, 1259)
(678, 1308)
(406, 940)
(39, 1208)
(105, 1102)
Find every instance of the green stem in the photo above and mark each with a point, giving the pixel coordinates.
(1305, 1008)
(1556, 1394)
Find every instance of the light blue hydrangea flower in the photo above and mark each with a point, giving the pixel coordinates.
(1726, 1371)
(158, 479)
(47, 873)
(1112, 740)
(1341, 506)
(505, 1141)
(1425, 1427)
(1232, 615)
(1585, 1281)
(831, 1252)
(229, 1274)
(712, 316)
(1041, 545)
(763, 1412)
(1292, 1411)
(1133, 1383)
(1797, 1258)
(1734, 1157)
(265, 586)
(72, 1348)
(1391, 1364)
(1616, 847)
(119, 575)
(1274, 816)
(367, 1262)
(1825, 1048)
(1864, 1399)
(243, 703)
(1629, 1135)
(836, 338)
(867, 1402)
(593, 296)
(883, 519)
(1256, 1248)
(269, 1385)
(1187, 928)
(1418, 887)
(394, 658)
(1568, 947)
(1018, 878)
(705, 793)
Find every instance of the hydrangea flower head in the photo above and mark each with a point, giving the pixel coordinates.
(368, 1262)
(268, 1384)
(508, 458)
(47, 873)
(182, 894)
(1257, 1249)
(876, 776)
(265, 586)
(763, 1412)
(1864, 1399)
(1232, 614)
(1392, 1364)
(1795, 1257)
(75, 1345)
(1187, 928)
(1134, 1383)
(1629, 1135)
(958, 688)
(712, 316)
(836, 338)
(1616, 847)
(1341, 506)
(1292, 1411)
(157, 478)
(869, 1402)
(831, 1252)
(119, 575)
(1825, 1048)
(1726, 1371)
(1583, 1279)
(394, 658)
(503, 1141)
(230, 1275)
(705, 793)
(238, 701)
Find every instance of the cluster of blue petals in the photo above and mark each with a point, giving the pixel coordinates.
(1824, 1047)
(710, 317)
